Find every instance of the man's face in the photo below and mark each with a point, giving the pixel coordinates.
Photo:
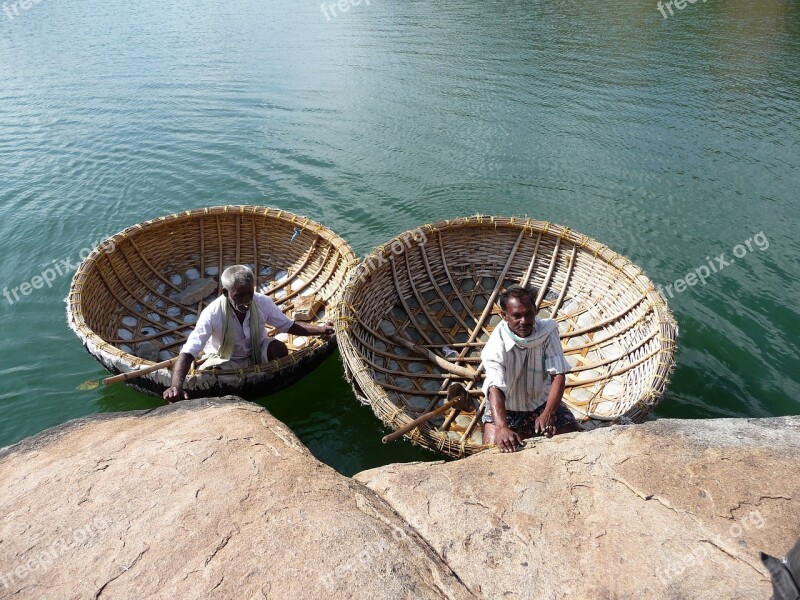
(519, 315)
(240, 297)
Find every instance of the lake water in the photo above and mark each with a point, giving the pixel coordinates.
(672, 140)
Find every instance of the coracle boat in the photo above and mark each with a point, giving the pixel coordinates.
(135, 299)
(418, 310)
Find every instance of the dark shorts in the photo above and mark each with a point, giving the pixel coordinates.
(524, 421)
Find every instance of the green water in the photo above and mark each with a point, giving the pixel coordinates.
(670, 140)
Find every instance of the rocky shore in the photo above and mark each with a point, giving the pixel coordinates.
(216, 498)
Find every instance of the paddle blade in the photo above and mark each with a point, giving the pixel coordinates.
(89, 385)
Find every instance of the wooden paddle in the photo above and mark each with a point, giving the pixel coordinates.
(165, 364)
(465, 372)
(457, 397)
(138, 373)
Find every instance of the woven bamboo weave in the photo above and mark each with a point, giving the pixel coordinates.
(437, 286)
(126, 295)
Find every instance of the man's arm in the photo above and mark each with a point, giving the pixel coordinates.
(175, 392)
(275, 317)
(556, 366)
(504, 438)
(194, 345)
(298, 328)
(493, 357)
(545, 421)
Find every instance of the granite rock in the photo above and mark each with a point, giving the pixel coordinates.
(667, 509)
(210, 498)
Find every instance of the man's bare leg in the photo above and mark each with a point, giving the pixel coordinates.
(568, 429)
(276, 349)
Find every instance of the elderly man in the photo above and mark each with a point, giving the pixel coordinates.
(227, 328)
(522, 350)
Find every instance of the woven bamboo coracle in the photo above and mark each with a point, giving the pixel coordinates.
(134, 300)
(437, 286)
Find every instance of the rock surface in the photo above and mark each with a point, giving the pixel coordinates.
(215, 498)
(668, 509)
(203, 499)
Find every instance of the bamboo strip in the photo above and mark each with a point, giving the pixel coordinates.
(466, 373)
(604, 322)
(617, 373)
(291, 276)
(527, 277)
(149, 266)
(238, 244)
(420, 300)
(402, 299)
(146, 284)
(439, 292)
(453, 284)
(546, 282)
(554, 308)
(221, 263)
(311, 278)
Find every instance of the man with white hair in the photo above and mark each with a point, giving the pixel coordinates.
(227, 328)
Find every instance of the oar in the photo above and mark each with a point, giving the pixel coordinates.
(93, 383)
(456, 398)
(134, 374)
(465, 372)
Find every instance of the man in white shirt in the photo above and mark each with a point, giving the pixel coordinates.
(521, 352)
(227, 327)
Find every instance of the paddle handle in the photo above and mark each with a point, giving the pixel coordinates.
(140, 372)
(418, 421)
(465, 372)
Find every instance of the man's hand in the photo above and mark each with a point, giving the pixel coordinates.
(327, 328)
(175, 394)
(545, 424)
(506, 439)
(299, 328)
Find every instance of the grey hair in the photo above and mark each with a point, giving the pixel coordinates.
(237, 275)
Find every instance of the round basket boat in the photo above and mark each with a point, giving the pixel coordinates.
(135, 299)
(430, 295)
